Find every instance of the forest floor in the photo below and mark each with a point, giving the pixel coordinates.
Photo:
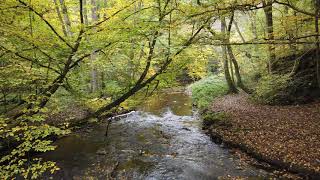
(284, 136)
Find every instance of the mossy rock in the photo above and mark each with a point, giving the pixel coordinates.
(215, 119)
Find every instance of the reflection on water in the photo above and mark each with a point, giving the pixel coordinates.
(179, 103)
(163, 140)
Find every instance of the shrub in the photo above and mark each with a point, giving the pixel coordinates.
(272, 89)
(205, 90)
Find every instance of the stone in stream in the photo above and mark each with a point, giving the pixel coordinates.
(185, 128)
(129, 151)
(101, 152)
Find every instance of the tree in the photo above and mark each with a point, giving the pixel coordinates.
(270, 36)
(66, 17)
(60, 17)
(233, 58)
(232, 87)
(94, 71)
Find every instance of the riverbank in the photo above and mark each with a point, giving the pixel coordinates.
(286, 137)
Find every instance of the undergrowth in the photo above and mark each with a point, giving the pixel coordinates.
(272, 89)
(205, 90)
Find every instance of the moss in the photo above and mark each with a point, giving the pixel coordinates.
(215, 119)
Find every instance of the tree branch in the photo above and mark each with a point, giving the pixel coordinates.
(30, 59)
(294, 8)
(47, 22)
(107, 18)
(88, 55)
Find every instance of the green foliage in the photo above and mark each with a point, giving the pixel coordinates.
(113, 89)
(96, 103)
(195, 60)
(30, 135)
(205, 90)
(270, 88)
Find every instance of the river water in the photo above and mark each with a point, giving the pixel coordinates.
(162, 140)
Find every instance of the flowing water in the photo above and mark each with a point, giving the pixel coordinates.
(162, 140)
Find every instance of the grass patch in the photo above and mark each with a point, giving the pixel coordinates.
(205, 90)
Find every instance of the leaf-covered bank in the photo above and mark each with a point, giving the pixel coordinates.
(286, 137)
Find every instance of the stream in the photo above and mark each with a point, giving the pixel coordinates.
(161, 140)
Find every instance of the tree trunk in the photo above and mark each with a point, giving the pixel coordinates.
(60, 18)
(269, 23)
(238, 31)
(231, 70)
(233, 58)
(231, 86)
(66, 17)
(290, 32)
(85, 12)
(253, 24)
(237, 70)
(94, 71)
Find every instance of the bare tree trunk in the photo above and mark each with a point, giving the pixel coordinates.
(290, 33)
(231, 70)
(66, 17)
(94, 71)
(243, 39)
(237, 70)
(232, 87)
(233, 58)
(86, 23)
(269, 22)
(238, 31)
(295, 46)
(254, 25)
(60, 18)
(85, 12)
(94, 9)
